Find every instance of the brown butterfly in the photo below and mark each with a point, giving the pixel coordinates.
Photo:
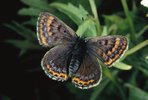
(75, 57)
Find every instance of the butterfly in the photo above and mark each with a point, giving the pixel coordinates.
(74, 57)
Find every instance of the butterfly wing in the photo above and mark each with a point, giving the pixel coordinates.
(108, 48)
(89, 74)
(54, 63)
(52, 31)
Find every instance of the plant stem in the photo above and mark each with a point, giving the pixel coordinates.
(142, 31)
(136, 48)
(94, 11)
(126, 11)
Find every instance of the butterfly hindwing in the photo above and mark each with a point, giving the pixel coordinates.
(89, 73)
(73, 56)
(54, 63)
(108, 48)
(52, 31)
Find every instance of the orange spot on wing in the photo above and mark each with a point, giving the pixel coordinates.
(116, 56)
(81, 82)
(123, 47)
(120, 52)
(49, 22)
(41, 26)
(116, 46)
(117, 43)
(124, 42)
(104, 55)
(113, 49)
(109, 53)
(43, 39)
(117, 39)
(108, 62)
(56, 74)
(49, 33)
(99, 52)
(51, 17)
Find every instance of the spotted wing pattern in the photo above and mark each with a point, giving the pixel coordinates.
(52, 31)
(54, 63)
(108, 48)
(89, 74)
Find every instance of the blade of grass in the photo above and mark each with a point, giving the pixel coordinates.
(136, 93)
(142, 31)
(23, 44)
(99, 89)
(22, 31)
(114, 78)
(130, 21)
(122, 66)
(135, 49)
(94, 11)
(145, 71)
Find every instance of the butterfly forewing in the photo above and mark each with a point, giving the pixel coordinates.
(73, 56)
(51, 31)
(54, 63)
(89, 74)
(108, 48)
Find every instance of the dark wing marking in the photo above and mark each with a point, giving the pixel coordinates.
(89, 74)
(52, 31)
(54, 63)
(108, 48)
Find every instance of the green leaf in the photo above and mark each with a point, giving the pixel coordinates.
(87, 29)
(120, 23)
(22, 31)
(146, 57)
(145, 71)
(23, 44)
(31, 22)
(39, 4)
(136, 93)
(122, 66)
(135, 49)
(29, 11)
(75, 13)
(104, 32)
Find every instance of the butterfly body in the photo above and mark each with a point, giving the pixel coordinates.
(74, 57)
(78, 52)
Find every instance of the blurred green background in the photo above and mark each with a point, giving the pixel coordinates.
(21, 75)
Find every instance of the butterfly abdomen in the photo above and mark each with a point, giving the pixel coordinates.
(78, 53)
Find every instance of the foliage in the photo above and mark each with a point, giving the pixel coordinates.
(88, 24)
